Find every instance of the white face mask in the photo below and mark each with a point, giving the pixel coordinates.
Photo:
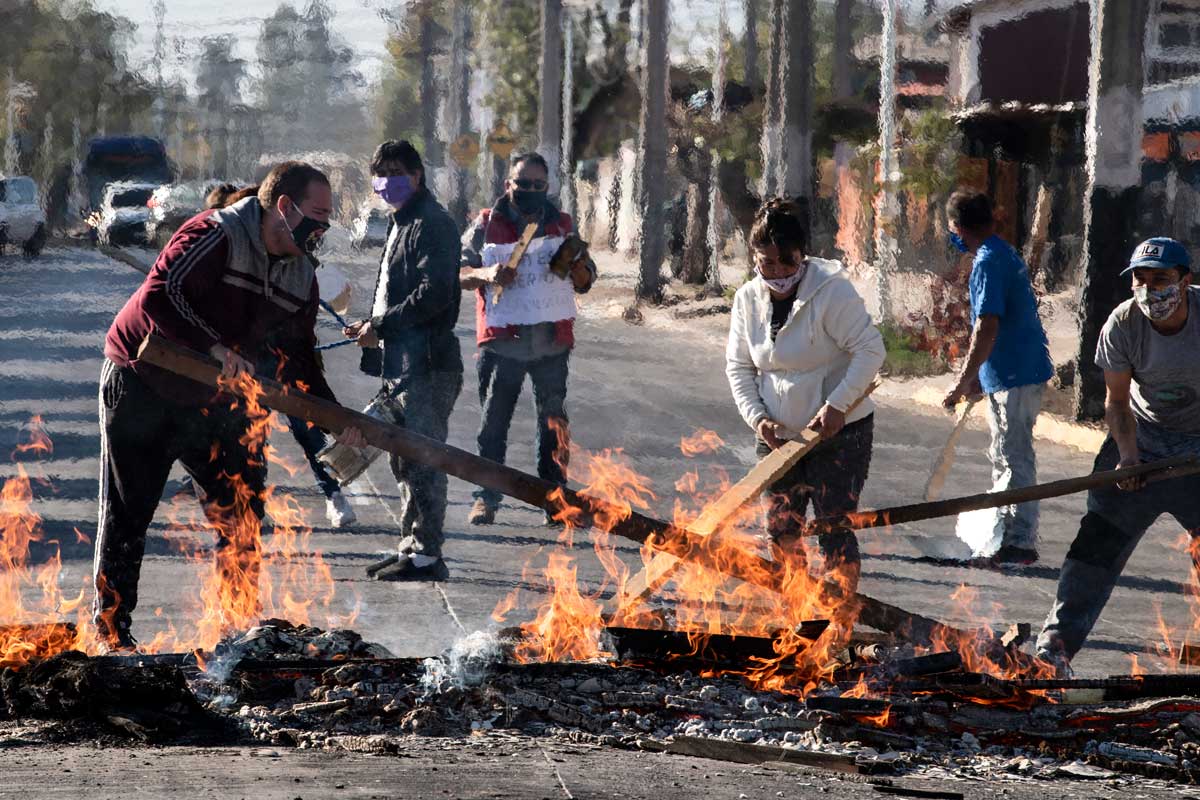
(783, 285)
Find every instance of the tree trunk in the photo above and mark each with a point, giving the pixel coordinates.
(459, 101)
(796, 100)
(750, 45)
(549, 119)
(652, 146)
(567, 194)
(1115, 125)
(697, 252)
(429, 93)
(887, 206)
(843, 49)
(772, 135)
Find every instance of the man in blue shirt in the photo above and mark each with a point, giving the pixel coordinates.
(1009, 361)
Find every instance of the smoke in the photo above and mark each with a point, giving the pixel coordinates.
(467, 663)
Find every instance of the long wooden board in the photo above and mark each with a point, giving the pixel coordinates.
(774, 466)
(637, 527)
(1152, 472)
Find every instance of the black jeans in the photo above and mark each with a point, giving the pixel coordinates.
(831, 477)
(141, 436)
(501, 380)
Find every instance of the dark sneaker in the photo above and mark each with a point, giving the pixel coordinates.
(405, 570)
(117, 643)
(1015, 556)
(382, 564)
(1006, 556)
(482, 513)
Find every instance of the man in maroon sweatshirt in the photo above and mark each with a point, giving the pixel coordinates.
(227, 279)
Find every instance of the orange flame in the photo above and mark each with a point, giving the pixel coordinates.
(700, 442)
(243, 583)
(704, 601)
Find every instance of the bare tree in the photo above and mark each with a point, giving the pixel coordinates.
(459, 106)
(550, 75)
(843, 45)
(796, 100)
(750, 44)
(652, 144)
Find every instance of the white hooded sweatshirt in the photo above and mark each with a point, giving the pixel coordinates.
(828, 351)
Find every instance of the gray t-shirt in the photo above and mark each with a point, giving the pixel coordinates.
(1165, 394)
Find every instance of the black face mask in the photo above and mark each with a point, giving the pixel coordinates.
(529, 201)
(302, 234)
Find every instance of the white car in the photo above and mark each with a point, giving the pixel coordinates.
(22, 220)
(370, 229)
(171, 206)
(124, 213)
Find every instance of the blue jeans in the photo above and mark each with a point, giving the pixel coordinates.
(1011, 416)
(501, 380)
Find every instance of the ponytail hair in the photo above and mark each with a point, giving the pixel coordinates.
(780, 221)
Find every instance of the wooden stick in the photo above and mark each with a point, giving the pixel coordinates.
(945, 459)
(774, 466)
(617, 520)
(1165, 469)
(517, 254)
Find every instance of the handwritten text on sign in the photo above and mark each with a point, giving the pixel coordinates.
(537, 295)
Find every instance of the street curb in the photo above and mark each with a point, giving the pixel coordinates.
(1049, 427)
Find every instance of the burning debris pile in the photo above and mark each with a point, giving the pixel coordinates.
(895, 714)
(885, 710)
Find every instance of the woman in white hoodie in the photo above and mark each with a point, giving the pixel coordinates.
(802, 348)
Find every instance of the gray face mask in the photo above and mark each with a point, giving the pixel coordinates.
(1158, 304)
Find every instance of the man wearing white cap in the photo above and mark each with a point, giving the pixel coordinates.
(1150, 353)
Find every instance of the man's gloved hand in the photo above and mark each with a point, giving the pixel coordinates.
(572, 250)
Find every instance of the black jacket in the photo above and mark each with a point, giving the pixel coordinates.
(420, 266)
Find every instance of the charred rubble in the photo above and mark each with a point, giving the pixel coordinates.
(886, 710)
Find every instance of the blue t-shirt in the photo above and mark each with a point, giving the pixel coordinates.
(1000, 286)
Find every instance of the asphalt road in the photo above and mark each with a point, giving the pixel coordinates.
(636, 388)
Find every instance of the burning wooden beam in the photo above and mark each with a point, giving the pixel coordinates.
(663, 646)
(1164, 469)
(619, 520)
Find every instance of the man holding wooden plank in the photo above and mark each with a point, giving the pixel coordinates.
(1148, 350)
(525, 265)
(802, 351)
(226, 279)
(1009, 361)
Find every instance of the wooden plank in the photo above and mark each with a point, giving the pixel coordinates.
(739, 753)
(1035, 249)
(622, 521)
(517, 254)
(945, 459)
(1154, 471)
(775, 465)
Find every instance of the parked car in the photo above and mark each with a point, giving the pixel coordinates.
(113, 159)
(370, 229)
(124, 212)
(22, 220)
(171, 206)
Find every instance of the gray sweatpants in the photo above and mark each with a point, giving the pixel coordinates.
(1114, 523)
(422, 404)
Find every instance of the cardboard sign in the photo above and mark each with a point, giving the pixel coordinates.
(537, 294)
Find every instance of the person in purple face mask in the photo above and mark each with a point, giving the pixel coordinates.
(409, 341)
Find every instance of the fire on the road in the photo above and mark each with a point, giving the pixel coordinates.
(245, 581)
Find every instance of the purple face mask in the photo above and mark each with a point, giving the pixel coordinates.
(394, 189)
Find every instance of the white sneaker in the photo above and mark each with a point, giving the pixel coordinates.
(338, 509)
